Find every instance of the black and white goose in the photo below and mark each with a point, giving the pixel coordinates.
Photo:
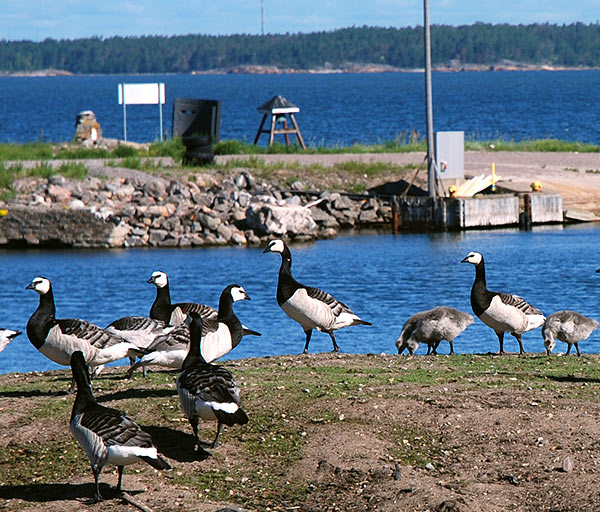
(221, 335)
(206, 391)
(310, 307)
(163, 309)
(6, 336)
(108, 436)
(58, 339)
(503, 312)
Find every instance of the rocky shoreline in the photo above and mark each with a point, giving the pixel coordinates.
(207, 209)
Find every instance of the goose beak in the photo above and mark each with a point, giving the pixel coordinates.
(268, 249)
(246, 296)
(465, 260)
(598, 271)
(29, 286)
(151, 280)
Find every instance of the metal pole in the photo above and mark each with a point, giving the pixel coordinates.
(429, 104)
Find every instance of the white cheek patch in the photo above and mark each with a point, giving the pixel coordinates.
(238, 294)
(160, 279)
(277, 246)
(41, 285)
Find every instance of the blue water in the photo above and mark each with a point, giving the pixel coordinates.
(336, 109)
(383, 278)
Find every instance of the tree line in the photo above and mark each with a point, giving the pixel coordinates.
(573, 45)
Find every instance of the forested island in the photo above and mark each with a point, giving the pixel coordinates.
(477, 46)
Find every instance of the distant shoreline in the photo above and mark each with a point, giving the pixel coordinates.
(350, 68)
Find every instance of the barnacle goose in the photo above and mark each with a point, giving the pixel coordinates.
(310, 307)
(431, 327)
(163, 309)
(221, 335)
(175, 314)
(108, 436)
(58, 339)
(567, 326)
(206, 391)
(6, 336)
(502, 312)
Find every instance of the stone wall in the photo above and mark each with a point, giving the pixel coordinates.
(157, 212)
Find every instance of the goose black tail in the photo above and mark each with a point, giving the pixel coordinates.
(158, 463)
(239, 417)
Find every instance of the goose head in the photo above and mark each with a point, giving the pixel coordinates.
(159, 279)
(275, 246)
(40, 285)
(474, 258)
(238, 293)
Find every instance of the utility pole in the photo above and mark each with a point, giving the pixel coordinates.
(431, 188)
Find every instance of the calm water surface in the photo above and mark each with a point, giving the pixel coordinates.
(383, 278)
(336, 109)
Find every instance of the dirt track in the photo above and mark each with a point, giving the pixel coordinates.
(576, 176)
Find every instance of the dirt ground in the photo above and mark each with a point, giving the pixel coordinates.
(575, 176)
(375, 433)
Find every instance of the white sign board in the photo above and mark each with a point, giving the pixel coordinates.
(141, 94)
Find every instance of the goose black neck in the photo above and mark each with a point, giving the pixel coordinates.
(81, 377)
(286, 285)
(161, 307)
(194, 356)
(480, 273)
(286, 261)
(42, 320)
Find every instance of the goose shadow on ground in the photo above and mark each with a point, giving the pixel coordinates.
(59, 492)
(176, 444)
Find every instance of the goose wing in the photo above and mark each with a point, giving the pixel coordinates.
(337, 307)
(193, 307)
(210, 384)
(519, 303)
(136, 323)
(177, 338)
(115, 427)
(89, 332)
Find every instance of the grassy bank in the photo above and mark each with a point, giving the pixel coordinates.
(319, 425)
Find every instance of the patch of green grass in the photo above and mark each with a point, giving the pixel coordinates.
(48, 461)
(73, 170)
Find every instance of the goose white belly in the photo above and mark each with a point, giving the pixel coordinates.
(166, 358)
(58, 347)
(502, 317)
(308, 312)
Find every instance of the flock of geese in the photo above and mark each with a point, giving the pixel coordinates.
(190, 336)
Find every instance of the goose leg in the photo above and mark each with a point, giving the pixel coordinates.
(521, 349)
(215, 442)
(98, 497)
(434, 348)
(335, 345)
(428, 350)
(568, 349)
(501, 341)
(577, 348)
(308, 335)
(451, 343)
(120, 480)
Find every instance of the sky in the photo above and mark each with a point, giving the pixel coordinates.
(36, 20)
